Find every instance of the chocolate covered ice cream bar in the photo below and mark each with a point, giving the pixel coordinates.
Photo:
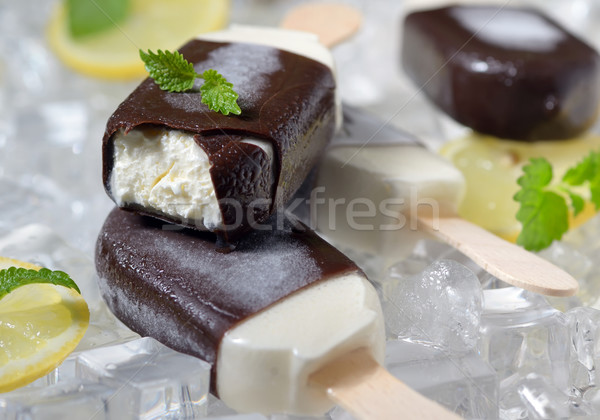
(166, 155)
(508, 72)
(267, 316)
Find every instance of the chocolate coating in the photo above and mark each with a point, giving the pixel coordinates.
(174, 285)
(285, 98)
(508, 72)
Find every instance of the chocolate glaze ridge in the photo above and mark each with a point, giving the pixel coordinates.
(293, 107)
(175, 286)
(508, 91)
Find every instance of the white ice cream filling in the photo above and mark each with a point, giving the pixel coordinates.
(264, 363)
(167, 172)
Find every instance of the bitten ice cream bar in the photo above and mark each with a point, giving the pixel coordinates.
(167, 155)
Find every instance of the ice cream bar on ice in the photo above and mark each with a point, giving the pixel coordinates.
(289, 323)
(380, 190)
(372, 182)
(508, 72)
(166, 155)
(267, 315)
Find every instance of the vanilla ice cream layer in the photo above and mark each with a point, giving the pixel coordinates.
(274, 352)
(176, 176)
(371, 195)
(164, 170)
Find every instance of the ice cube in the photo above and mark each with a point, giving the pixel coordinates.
(586, 237)
(440, 307)
(577, 254)
(543, 400)
(463, 382)
(152, 380)
(568, 258)
(402, 271)
(521, 333)
(581, 267)
(584, 324)
(105, 330)
(71, 399)
(424, 254)
(65, 372)
(592, 398)
(427, 251)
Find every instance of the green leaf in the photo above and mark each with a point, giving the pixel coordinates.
(218, 93)
(87, 17)
(544, 215)
(172, 72)
(169, 70)
(583, 171)
(545, 218)
(595, 192)
(537, 174)
(577, 202)
(14, 277)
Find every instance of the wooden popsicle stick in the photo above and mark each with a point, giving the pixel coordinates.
(368, 392)
(332, 22)
(504, 260)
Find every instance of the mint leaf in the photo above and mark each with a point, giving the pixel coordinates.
(543, 210)
(169, 70)
(87, 17)
(172, 72)
(544, 214)
(537, 174)
(14, 277)
(595, 192)
(588, 170)
(218, 93)
(577, 202)
(545, 217)
(583, 171)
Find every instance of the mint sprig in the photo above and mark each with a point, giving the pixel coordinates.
(218, 93)
(544, 207)
(173, 73)
(587, 172)
(88, 17)
(14, 277)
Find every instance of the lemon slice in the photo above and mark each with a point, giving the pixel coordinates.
(152, 24)
(40, 324)
(491, 167)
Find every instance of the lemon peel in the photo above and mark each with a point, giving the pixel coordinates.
(40, 325)
(152, 24)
